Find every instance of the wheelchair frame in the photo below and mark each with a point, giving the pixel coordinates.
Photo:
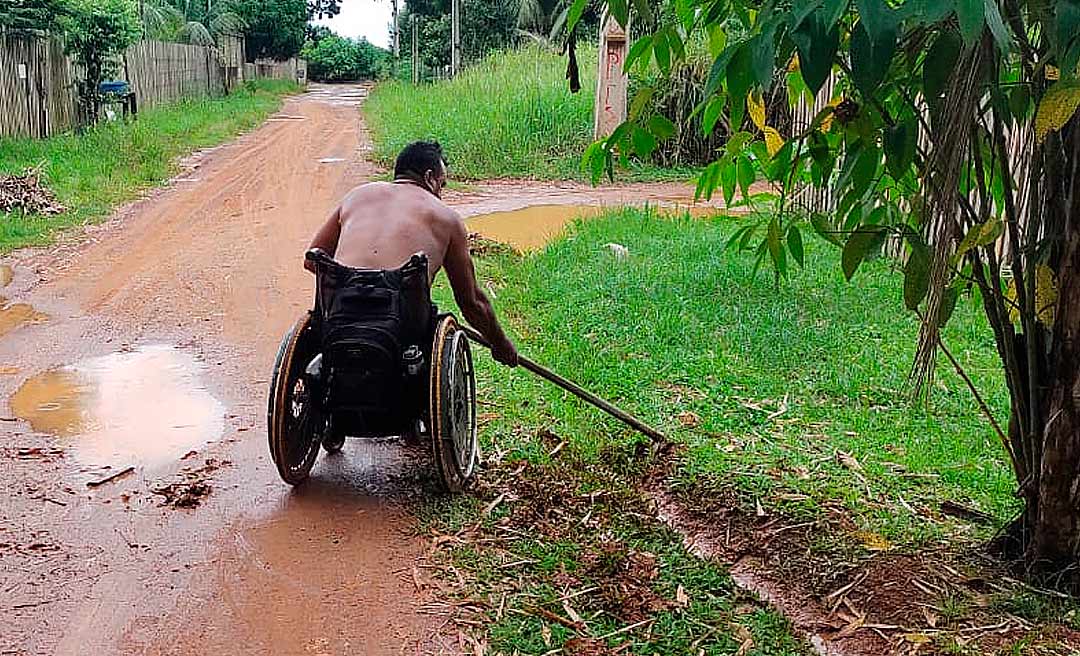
(298, 424)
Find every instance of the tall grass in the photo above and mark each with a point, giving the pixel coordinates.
(771, 386)
(510, 115)
(113, 162)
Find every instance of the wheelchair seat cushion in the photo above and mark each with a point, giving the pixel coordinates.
(367, 320)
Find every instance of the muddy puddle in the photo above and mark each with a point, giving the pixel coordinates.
(14, 315)
(532, 227)
(7, 274)
(145, 407)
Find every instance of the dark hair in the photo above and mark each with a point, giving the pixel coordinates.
(418, 158)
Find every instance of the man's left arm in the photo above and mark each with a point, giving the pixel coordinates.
(326, 238)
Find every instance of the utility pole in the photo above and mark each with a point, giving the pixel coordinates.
(455, 37)
(415, 52)
(397, 41)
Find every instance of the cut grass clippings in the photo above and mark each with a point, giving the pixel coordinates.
(510, 115)
(790, 402)
(93, 172)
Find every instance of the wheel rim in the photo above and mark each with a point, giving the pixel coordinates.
(461, 405)
(300, 428)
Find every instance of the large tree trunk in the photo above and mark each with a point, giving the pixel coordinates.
(1055, 545)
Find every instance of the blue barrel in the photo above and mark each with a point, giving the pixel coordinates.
(118, 87)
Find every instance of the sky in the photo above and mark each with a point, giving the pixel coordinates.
(363, 18)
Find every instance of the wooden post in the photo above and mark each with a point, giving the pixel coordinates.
(397, 41)
(415, 52)
(455, 37)
(610, 109)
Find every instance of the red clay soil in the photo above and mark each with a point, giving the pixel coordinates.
(206, 550)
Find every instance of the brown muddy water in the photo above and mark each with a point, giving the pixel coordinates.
(145, 406)
(530, 228)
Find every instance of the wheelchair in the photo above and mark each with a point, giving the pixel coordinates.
(373, 359)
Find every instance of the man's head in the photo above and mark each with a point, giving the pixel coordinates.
(422, 162)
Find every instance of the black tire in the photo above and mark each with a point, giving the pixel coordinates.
(453, 407)
(292, 418)
(334, 442)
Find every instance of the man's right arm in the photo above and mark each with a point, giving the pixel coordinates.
(474, 304)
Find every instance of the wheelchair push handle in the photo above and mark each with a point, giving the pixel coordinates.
(575, 389)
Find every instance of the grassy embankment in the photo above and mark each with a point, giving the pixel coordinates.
(112, 163)
(510, 115)
(791, 404)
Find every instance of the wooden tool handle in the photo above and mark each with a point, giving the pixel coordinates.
(574, 389)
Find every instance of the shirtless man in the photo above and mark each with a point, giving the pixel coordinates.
(381, 224)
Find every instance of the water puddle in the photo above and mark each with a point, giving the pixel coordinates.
(146, 407)
(531, 227)
(7, 274)
(14, 315)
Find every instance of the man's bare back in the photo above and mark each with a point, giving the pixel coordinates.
(381, 224)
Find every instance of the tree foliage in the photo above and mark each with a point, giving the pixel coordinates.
(96, 33)
(274, 28)
(334, 58)
(187, 22)
(952, 134)
(486, 25)
(30, 15)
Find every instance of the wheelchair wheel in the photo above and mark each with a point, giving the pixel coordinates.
(453, 406)
(293, 420)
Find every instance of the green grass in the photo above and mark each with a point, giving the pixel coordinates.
(783, 378)
(112, 163)
(510, 115)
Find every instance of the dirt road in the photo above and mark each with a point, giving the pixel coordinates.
(147, 343)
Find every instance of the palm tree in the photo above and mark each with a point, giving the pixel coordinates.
(542, 20)
(189, 22)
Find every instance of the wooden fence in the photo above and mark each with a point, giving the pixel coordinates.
(38, 95)
(37, 87)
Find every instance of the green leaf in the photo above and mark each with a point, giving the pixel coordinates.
(661, 126)
(831, 12)
(741, 232)
(740, 77)
(717, 40)
(825, 229)
(996, 25)
(713, 110)
(576, 10)
(938, 65)
(817, 50)
(719, 69)
(594, 160)
(795, 243)
(776, 250)
(641, 50)
(745, 173)
(916, 272)
(900, 142)
(1019, 101)
(948, 306)
(641, 100)
(764, 55)
(870, 59)
(865, 169)
(728, 179)
(644, 142)
(644, 9)
(662, 52)
(620, 10)
(877, 19)
(708, 181)
(800, 9)
(860, 244)
(971, 15)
